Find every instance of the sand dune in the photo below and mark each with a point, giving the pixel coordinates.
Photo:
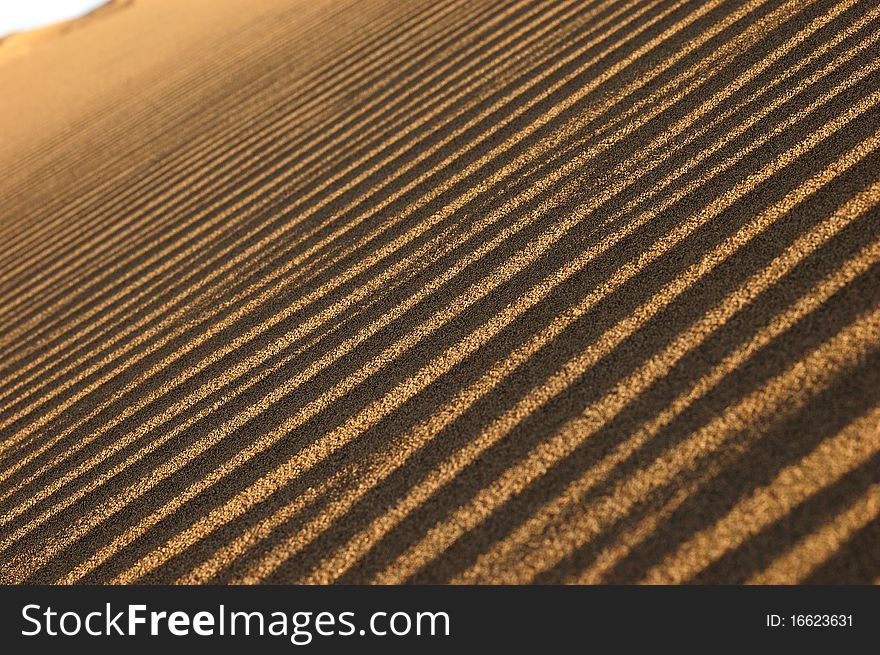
(443, 291)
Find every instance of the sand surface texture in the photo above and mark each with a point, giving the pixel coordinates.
(442, 291)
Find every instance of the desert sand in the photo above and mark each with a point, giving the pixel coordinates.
(443, 291)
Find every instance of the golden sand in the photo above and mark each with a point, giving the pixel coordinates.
(442, 291)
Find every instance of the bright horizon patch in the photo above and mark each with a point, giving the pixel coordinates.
(23, 16)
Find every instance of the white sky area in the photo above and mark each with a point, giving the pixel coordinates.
(19, 15)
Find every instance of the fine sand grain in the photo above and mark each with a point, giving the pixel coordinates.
(442, 291)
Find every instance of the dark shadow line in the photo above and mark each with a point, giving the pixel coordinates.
(738, 565)
(858, 560)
